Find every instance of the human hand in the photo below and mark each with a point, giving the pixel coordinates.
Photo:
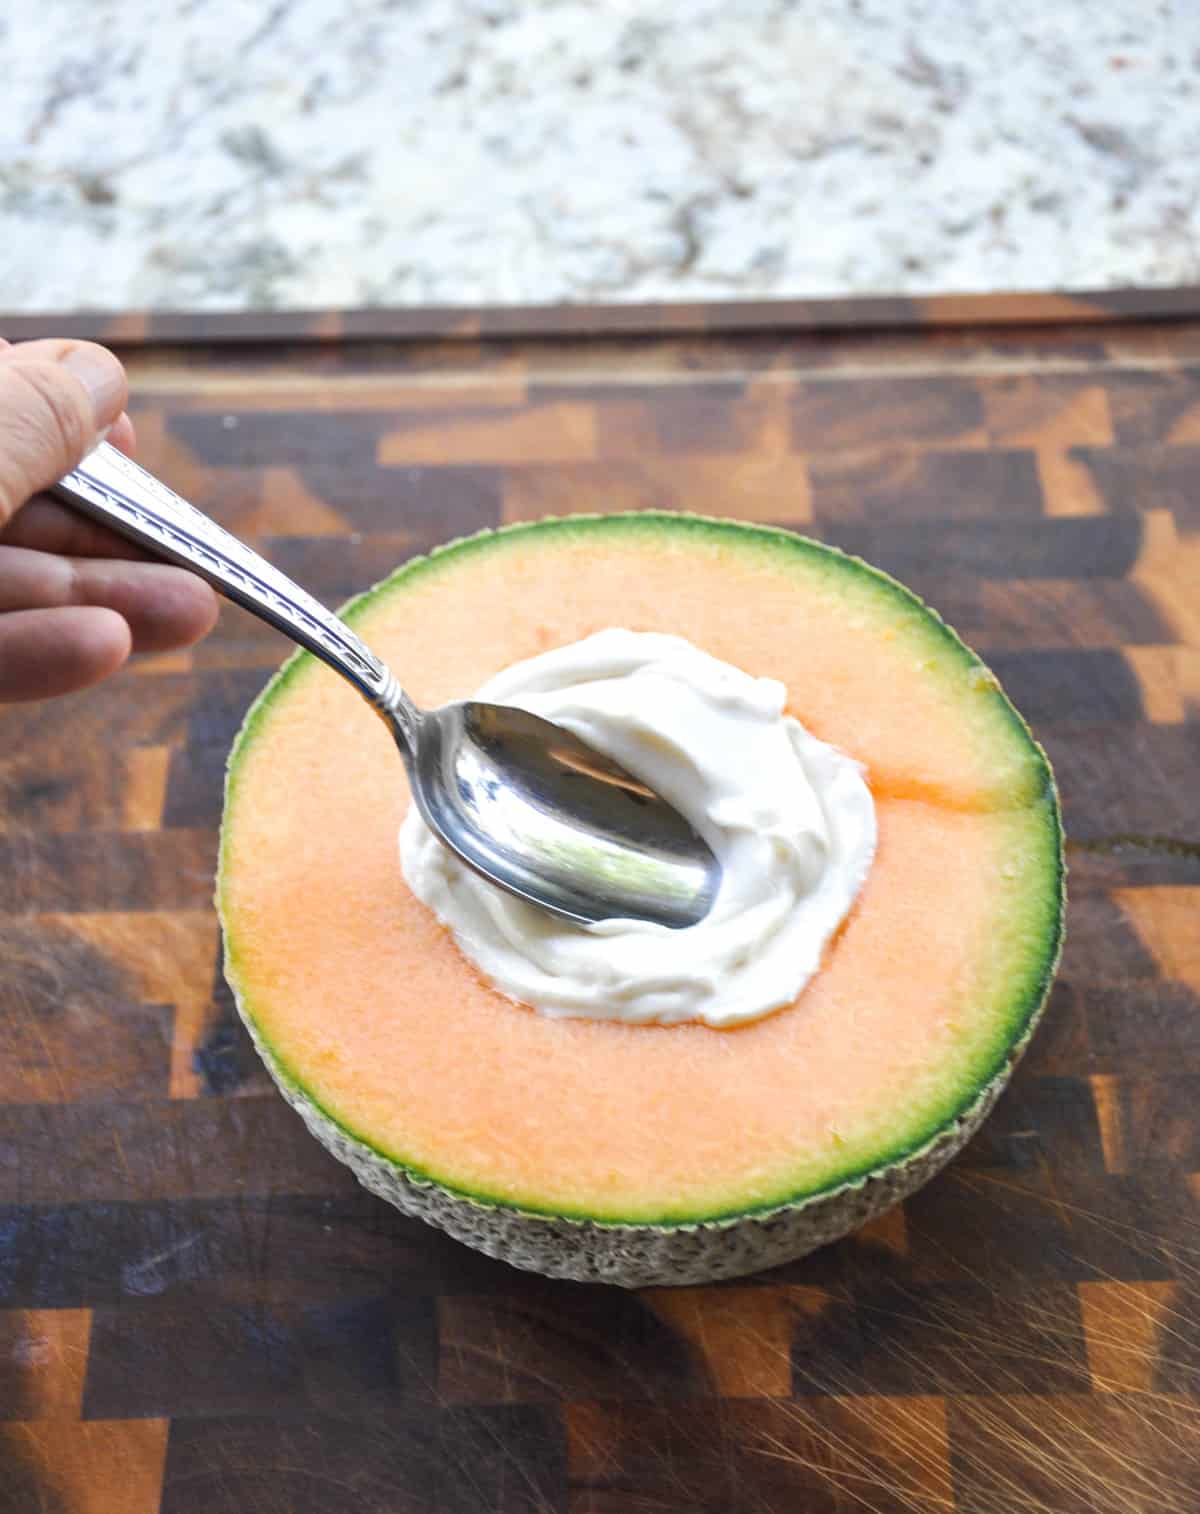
(75, 599)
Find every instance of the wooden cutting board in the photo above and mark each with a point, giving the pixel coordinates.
(200, 1311)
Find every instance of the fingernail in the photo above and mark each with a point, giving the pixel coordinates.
(100, 374)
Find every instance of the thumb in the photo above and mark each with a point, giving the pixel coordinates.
(56, 398)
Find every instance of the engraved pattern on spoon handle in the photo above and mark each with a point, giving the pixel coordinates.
(114, 490)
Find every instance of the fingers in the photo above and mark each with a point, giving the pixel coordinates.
(55, 397)
(122, 434)
(49, 652)
(163, 607)
(75, 600)
(46, 526)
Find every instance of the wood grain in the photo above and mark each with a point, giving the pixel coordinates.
(199, 1310)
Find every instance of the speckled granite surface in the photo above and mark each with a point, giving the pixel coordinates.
(220, 154)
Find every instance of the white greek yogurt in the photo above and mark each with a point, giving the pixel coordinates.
(790, 819)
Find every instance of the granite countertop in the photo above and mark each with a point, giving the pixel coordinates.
(317, 153)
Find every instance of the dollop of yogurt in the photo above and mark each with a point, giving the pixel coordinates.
(790, 819)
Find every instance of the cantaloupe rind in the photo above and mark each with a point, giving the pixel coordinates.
(644, 1254)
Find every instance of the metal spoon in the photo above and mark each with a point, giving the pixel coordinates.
(520, 800)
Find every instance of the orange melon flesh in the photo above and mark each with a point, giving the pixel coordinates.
(367, 1005)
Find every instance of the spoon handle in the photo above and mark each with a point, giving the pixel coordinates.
(114, 490)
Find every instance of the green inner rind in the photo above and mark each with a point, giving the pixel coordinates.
(1045, 915)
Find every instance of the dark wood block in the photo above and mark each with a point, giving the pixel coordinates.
(219, 705)
(998, 617)
(545, 1342)
(268, 438)
(195, 793)
(1149, 408)
(233, 1250)
(1102, 943)
(507, 1460)
(894, 484)
(1065, 614)
(1159, 1121)
(906, 411)
(947, 1337)
(1140, 1027)
(1010, 1229)
(434, 501)
(62, 1256)
(177, 1148)
(1062, 1043)
(1102, 546)
(1040, 1120)
(1056, 687)
(993, 1227)
(1146, 478)
(346, 1356)
(1094, 761)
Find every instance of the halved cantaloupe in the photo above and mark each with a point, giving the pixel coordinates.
(643, 1154)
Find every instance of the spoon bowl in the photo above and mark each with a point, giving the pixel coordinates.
(520, 800)
(533, 808)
